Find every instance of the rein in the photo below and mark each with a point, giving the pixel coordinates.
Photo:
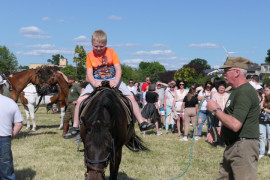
(89, 163)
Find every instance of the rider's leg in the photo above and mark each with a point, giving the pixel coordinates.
(136, 110)
(77, 109)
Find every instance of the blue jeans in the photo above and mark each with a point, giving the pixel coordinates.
(6, 160)
(168, 111)
(264, 132)
(204, 114)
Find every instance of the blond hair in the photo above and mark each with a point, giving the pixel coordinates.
(99, 36)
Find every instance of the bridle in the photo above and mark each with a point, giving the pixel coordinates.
(89, 163)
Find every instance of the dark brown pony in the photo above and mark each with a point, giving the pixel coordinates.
(106, 127)
(20, 80)
(63, 88)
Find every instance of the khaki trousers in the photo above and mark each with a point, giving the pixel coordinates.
(190, 115)
(240, 161)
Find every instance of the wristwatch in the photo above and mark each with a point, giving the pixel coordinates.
(215, 111)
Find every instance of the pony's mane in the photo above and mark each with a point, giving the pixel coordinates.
(105, 102)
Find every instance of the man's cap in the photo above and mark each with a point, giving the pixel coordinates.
(237, 62)
(2, 81)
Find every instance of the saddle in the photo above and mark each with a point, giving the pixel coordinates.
(97, 91)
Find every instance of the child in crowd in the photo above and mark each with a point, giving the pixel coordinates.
(102, 63)
(151, 109)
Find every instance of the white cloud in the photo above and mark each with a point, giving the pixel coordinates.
(46, 19)
(168, 58)
(123, 45)
(39, 52)
(36, 36)
(82, 40)
(132, 61)
(31, 30)
(114, 17)
(154, 52)
(159, 46)
(41, 46)
(60, 20)
(204, 45)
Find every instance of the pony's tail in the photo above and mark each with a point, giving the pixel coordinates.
(136, 144)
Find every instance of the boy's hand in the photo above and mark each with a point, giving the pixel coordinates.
(113, 84)
(97, 83)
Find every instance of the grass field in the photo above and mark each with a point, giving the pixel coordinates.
(45, 155)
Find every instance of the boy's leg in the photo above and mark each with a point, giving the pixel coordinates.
(75, 129)
(143, 124)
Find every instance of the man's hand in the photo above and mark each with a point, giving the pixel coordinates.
(212, 105)
(210, 138)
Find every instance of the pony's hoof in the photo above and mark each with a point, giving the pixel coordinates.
(27, 128)
(60, 128)
(34, 129)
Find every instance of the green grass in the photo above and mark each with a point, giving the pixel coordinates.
(45, 155)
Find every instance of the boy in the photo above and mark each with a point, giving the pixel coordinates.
(102, 63)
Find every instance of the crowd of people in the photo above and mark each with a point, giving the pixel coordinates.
(232, 112)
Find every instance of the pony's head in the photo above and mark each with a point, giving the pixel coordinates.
(101, 123)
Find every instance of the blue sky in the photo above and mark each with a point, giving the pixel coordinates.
(172, 32)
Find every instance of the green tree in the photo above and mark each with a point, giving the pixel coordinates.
(266, 81)
(80, 59)
(23, 67)
(69, 70)
(187, 74)
(130, 73)
(8, 61)
(151, 69)
(200, 62)
(55, 59)
(81, 72)
(267, 59)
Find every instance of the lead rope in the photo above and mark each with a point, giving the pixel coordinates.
(192, 143)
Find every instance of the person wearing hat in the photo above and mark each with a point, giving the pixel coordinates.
(73, 95)
(10, 125)
(240, 124)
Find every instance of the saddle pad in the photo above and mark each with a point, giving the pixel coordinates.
(123, 99)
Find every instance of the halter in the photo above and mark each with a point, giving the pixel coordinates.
(89, 163)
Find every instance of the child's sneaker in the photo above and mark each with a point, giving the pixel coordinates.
(72, 133)
(144, 126)
(159, 133)
(184, 139)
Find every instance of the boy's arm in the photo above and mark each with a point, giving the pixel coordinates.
(118, 73)
(91, 79)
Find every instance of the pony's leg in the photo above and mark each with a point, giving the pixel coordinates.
(62, 117)
(27, 117)
(32, 115)
(115, 168)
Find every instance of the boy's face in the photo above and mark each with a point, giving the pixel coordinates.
(99, 47)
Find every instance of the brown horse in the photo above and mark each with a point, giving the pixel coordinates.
(107, 126)
(63, 88)
(20, 80)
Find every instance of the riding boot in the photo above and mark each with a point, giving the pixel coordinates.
(65, 129)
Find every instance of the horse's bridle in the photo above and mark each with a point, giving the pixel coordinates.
(89, 163)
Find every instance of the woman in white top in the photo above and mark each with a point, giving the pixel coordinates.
(180, 95)
(203, 113)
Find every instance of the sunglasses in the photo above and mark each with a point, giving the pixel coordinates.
(181, 84)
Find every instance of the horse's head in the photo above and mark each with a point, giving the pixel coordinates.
(52, 80)
(100, 134)
(37, 78)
